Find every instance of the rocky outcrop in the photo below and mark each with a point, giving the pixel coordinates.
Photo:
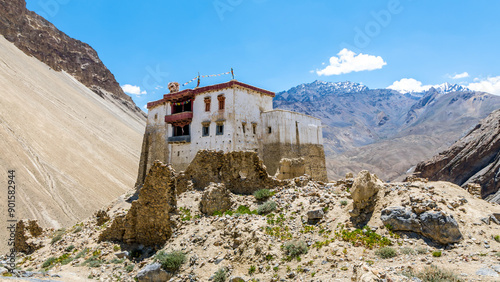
(216, 197)
(26, 232)
(39, 38)
(364, 192)
(474, 158)
(148, 220)
(435, 225)
(153, 273)
(242, 172)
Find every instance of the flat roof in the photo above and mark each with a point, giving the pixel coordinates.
(189, 93)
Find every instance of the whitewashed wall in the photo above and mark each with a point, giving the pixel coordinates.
(286, 124)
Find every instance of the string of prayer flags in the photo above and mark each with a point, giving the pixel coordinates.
(209, 75)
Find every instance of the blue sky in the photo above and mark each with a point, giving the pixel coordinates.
(278, 44)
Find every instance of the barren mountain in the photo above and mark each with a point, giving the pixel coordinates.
(475, 158)
(383, 130)
(39, 38)
(72, 151)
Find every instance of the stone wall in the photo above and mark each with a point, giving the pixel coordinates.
(313, 154)
(148, 220)
(291, 168)
(154, 147)
(242, 172)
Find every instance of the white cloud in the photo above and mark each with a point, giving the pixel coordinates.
(490, 85)
(347, 61)
(409, 85)
(133, 90)
(460, 75)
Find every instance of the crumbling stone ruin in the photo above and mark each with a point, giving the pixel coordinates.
(291, 168)
(148, 220)
(242, 172)
(26, 232)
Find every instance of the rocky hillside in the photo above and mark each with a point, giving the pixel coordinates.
(71, 150)
(475, 158)
(354, 229)
(384, 130)
(37, 37)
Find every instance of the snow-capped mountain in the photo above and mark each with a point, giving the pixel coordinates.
(317, 89)
(443, 88)
(385, 130)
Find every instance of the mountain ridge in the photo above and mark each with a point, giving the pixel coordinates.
(359, 121)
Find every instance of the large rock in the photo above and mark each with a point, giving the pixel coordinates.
(440, 227)
(153, 273)
(148, 220)
(216, 197)
(435, 225)
(242, 172)
(364, 193)
(475, 158)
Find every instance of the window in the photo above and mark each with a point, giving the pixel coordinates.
(220, 129)
(181, 130)
(207, 104)
(269, 130)
(243, 126)
(254, 128)
(181, 106)
(222, 102)
(205, 130)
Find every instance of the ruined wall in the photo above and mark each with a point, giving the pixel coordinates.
(148, 220)
(291, 168)
(313, 154)
(241, 171)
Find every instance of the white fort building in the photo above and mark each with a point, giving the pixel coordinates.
(231, 116)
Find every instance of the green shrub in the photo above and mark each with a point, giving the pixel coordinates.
(93, 261)
(116, 248)
(407, 251)
(497, 238)
(69, 248)
(171, 261)
(434, 274)
(295, 248)
(421, 250)
(252, 269)
(77, 229)
(220, 275)
(436, 254)
(386, 252)
(116, 261)
(365, 237)
(343, 203)
(82, 253)
(185, 214)
(48, 262)
(263, 194)
(266, 207)
(129, 268)
(245, 210)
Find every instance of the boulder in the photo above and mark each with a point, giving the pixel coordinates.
(216, 197)
(153, 273)
(434, 225)
(315, 214)
(440, 227)
(401, 219)
(364, 193)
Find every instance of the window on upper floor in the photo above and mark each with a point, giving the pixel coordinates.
(254, 128)
(222, 102)
(269, 130)
(243, 126)
(207, 104)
